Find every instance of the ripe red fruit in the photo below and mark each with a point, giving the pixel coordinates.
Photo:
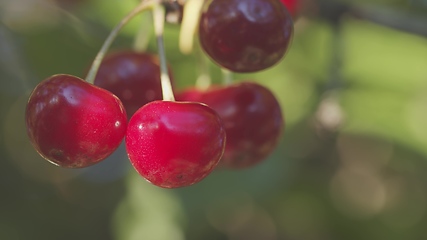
(245, 35)
(133, 77)
(175, 144)
(72, 123)
(252, 119)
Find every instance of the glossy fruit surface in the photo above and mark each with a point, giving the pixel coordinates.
(245, 35)
(132, 76)
(175, 144)
(72, 123)
(291, 5)
(252, 119)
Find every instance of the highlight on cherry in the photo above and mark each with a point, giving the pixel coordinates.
(173, 138)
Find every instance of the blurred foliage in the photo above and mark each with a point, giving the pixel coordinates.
(351, 164)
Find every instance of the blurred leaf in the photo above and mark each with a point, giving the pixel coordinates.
(310, 51)
(148, 212)
(386, 70)
(111, 12)
(58, 51)
(380, 57)
(387, 114)
(12, 64)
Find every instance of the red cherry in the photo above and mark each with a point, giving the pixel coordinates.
(175, 144)
(72, 123)
(245, 35)
(133, 77)
(252, 119)
(291, 5)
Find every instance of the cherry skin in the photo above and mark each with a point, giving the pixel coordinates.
(175, 144)
(72, 123)
(132, 76)
(252, 119)
(245, 35)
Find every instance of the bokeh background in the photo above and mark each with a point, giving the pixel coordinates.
(352, 162)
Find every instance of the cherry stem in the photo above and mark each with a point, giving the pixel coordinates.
(227, 76)
(190, 20)
(144, 5)
(159, 21)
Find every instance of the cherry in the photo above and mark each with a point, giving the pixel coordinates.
(252, 119)
(292, 6)
(133, 77)
(72, 123)
(175, 144)
(245, 35)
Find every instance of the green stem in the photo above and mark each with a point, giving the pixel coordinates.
(190, 20)
(159, 21)
(144, 5)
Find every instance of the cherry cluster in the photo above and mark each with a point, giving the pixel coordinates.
(172, 143)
